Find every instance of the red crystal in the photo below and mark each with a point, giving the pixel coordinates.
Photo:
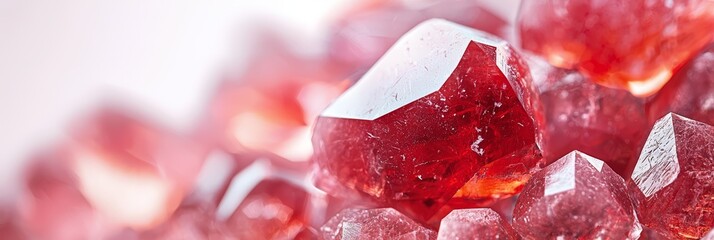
(51, 207)
(690, 92)
(576, 197)
(273, 104)
(379, 223)
(628, 44)
(131, 171)
(266, 199)
(672, 181)
(477, 223)
(364, 34)
(606, 123)
(444, 103)
(709, 235)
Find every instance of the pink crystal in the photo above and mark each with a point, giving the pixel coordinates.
(633, 45)
(379, 223)
(51, 206)
(272, 105)
(672, 181)
(130, 170)
(445, 104)
(365, 33)
(576, 197)
(690, 92)
(606, 123)
(477, 223)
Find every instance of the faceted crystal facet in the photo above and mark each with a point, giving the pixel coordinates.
(709, 235)
(265, 199)
(131, 171)
(379, 223)
(445, 103)
(576, 197)
(272, 105)
(606, 123)
(632, 44)
(477, 223)
(362, 35)
(690, 92)
(672, 181)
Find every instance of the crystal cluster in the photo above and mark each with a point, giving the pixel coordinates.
(451, 133)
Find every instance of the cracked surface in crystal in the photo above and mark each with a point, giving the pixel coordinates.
(672, 182)
(442, 104)
(576, 197)
(379, 223)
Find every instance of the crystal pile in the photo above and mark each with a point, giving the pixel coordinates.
(444, 131)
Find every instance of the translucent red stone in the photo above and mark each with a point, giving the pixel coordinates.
(690, 92)
(50, 205)
(476, 223)
(634, 45)
(672, 181)
(378, 223)
(272, 104)
(445, 104)
(576, 197)
(363, 34)
(132, 171)
(606, 123)
(267, 198)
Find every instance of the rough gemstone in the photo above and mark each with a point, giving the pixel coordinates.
(134, 172)
(266, 199)
(632, 44)
(606, 123)
(576, 197)
(378, 223)
(272, 105)
(477, 223)
(51, 206)
(365, 33)
(690, 92)
(672, 181)
(445, 102)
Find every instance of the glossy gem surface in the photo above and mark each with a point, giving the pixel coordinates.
(576, 197)
(606, 123)
(690, 93)
(378, 223)
(672, 181)
(444, 103)
(633, 45)
(476, 223)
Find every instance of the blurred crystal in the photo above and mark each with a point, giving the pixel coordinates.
(690, 93)
(363, 34)
(134, 172)
(633, 45)
(606, 123)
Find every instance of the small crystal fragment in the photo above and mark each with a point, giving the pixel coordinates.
(576, 197)
(405, 134)
(477, 223)
(672, 181)
(368, 224)
(633, 45)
